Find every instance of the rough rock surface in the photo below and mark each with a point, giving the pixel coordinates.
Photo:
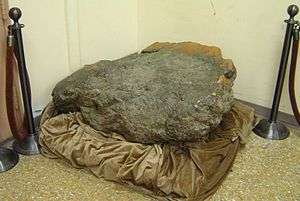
(171, 92)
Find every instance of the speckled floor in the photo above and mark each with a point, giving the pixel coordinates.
(263, 170)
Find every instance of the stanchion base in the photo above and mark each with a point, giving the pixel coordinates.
(271, 130)
(28, 146)
(8, 159)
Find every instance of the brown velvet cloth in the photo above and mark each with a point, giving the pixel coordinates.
(4, 127)
(16, 101)
(190, 171)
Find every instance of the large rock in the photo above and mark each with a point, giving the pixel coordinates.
(171, 92)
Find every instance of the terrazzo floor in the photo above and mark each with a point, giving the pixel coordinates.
(263, 170)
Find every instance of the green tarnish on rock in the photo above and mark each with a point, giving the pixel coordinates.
(159, 96)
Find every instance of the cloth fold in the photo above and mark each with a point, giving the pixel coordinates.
(4, 127)
(186, 171)
(9, 76)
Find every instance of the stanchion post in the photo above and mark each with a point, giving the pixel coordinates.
(29, 145)
(271, 128)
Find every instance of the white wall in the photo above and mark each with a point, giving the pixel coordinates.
(100, 30)
(107, 29)
(45, 44)
(62, 35)
(248, 32)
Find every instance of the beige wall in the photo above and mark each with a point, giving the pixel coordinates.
(45, 44)
(107, 29)
(249, 32)
(60, 36)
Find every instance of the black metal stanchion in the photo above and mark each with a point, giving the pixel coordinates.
(271, 128)
(8, 159)
(28, 145)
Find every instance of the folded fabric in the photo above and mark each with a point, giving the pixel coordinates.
(185, 171)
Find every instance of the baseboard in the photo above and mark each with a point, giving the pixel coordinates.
(283, 117)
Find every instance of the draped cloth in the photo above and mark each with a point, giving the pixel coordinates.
(186, 171)
(4, 126)
(16, 100)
